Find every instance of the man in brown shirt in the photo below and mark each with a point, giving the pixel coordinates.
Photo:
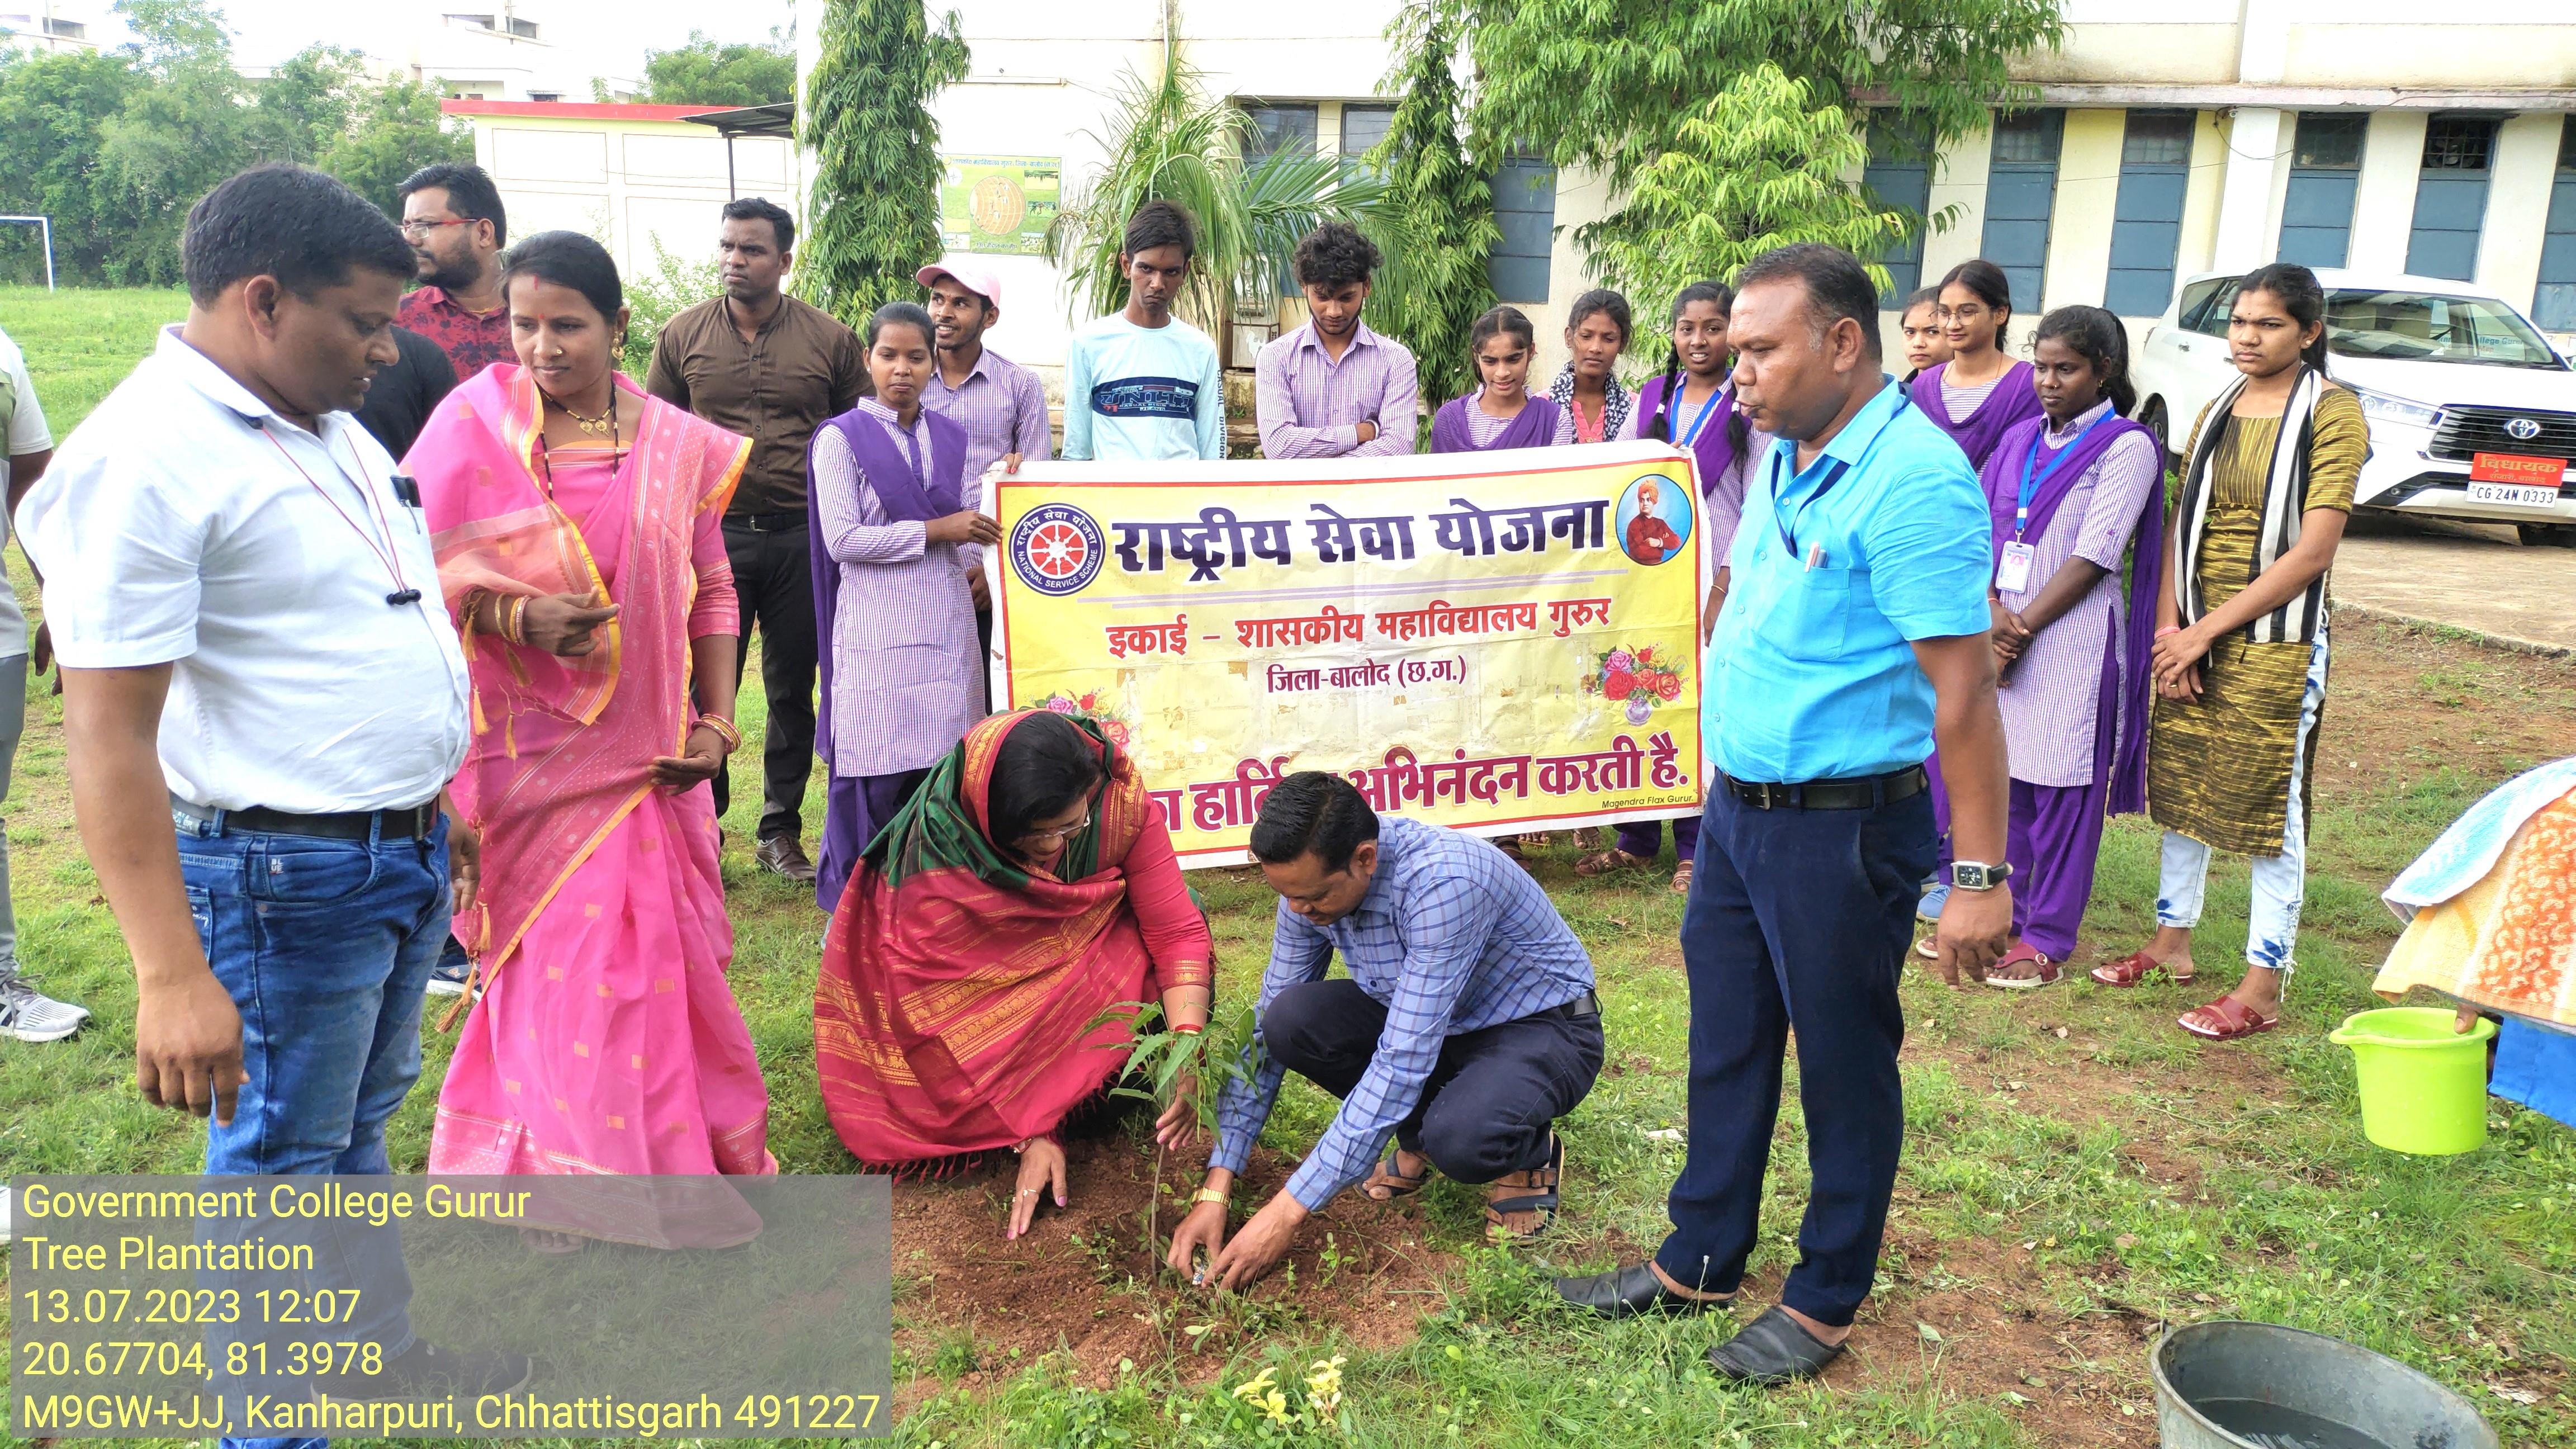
(760, 363)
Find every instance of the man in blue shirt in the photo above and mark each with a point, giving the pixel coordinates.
(1467, 1028)
(1141, 384)
(1854, 637)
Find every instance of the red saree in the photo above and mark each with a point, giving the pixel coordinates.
(954, 1010)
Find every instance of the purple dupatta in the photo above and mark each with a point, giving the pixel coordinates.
(2014, 399)
(1714, 448)
(905, 498)
(1535, 427)
(2126, 771)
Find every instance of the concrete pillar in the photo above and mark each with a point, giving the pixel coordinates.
(2518, 190)
(2201, 198)
(2248, 227)
(2079, 228)
(1958, 181)
(2383, 207)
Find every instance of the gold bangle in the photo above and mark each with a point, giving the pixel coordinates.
(725, 731)
(514, 626)
(1209, 1194)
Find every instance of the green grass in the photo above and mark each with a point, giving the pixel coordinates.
(80, 342)
(2076, 1170)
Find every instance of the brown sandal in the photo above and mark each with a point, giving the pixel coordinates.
(2134, 969)
(1682, 878)
(1397, 1185)
(1603, 862)
(2226, 1019)
(1534, 839)
(1534, 1191)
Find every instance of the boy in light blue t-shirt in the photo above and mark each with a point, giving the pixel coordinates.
(1142, 384)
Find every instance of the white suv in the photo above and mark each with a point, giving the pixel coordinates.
(2472, 414)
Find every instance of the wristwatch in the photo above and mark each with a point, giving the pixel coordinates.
(1968, 875)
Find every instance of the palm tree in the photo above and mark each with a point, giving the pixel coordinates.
(1171, 141)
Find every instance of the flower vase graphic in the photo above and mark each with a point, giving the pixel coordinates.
(1634, 679)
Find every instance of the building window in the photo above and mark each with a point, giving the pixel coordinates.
(1525, 213)
(1900, 176)
(2554, 306)
(1363, 127)
(2146, 220)
(1277, 128)
(524, 29)
(2325, 171)
(67, 29)
(545, 95)
(2021, 192)
(2451, 197)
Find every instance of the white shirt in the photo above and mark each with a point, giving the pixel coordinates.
(186, 523)
(27, 434)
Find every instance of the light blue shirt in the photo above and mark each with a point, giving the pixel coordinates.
(1811, 674)
(1140, 393)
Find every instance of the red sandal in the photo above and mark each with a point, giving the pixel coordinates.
(2233, 1019)
(2134, 968)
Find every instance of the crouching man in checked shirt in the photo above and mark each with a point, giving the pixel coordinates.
(1468, 1026)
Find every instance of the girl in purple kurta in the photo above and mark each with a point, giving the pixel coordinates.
(1981, 392)
(1501, 413)
(2069, 492)
(1693, 404)
(896, 542)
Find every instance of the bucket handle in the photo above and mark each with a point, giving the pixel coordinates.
(2480, 1031)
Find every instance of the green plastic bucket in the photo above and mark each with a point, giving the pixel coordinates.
(2423, 1085)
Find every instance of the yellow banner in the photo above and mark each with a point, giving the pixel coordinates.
(1495, 641)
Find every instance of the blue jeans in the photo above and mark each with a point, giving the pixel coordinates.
(1798, 923)
(326, 947)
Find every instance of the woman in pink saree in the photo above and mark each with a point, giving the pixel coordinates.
(578, 528)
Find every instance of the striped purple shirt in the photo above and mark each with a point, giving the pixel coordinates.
(1311, 406)
(1002, 406)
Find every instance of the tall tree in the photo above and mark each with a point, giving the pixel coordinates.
(1609, 84)
(705, 72)
(1758, 165)
(52, 109)
(873, 209)
(1435, 285)
(394, 128)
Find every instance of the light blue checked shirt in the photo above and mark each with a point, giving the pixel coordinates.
(1452, 937)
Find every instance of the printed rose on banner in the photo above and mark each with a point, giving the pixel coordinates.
(1634, 679)
(1088, 706)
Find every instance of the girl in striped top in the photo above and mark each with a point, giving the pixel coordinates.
(1982, 391)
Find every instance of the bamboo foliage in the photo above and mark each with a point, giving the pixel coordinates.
(873, 212)
(1171, 141)
(1434, 285)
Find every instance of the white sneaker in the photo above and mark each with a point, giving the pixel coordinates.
(31, 1015)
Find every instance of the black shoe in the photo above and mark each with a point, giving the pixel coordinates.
(783, 855)
(1772, 1349)
(1630, 1291)
(426, 1371)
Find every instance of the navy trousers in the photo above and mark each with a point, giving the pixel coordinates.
(1798, 919)
(1493, 1099)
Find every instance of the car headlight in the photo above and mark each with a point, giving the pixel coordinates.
(2381, 407)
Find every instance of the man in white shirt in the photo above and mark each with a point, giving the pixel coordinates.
(25, 1012)
(255, 650)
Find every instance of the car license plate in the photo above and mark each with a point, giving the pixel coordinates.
(2517, 468)
(2518, 494)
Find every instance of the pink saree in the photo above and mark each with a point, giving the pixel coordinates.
(606, 1039)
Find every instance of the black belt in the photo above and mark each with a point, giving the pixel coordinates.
(1588, 1004)
(767, 522)
(412, 822)
(1859, 794)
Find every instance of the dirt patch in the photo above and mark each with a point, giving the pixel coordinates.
(1083, 1280)
(2400, 699)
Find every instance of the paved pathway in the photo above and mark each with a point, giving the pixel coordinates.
(2467, 576)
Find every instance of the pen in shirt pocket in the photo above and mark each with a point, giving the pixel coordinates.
(1815, 556)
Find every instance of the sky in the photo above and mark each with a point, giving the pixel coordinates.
(618, 32)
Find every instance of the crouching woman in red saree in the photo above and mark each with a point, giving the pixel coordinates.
(1028, 887)
(578, 528)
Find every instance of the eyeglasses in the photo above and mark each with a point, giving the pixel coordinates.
(424, 228)
(1042, 838)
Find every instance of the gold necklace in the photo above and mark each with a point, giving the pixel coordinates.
(603, 426)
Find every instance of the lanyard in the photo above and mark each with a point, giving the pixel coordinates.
(390, 554)
(1788, 530)
(2030, 461)
(1699, 422)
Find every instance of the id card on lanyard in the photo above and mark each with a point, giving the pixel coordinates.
(1788, 530)
(2013, 564)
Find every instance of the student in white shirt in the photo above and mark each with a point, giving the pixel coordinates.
(1142, 384)
(25, 1012)
(255, 651)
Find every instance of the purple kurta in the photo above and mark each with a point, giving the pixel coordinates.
(1002, 406)
(2015, 397)
(1462, 427)
(893, 614)
(1311, 406)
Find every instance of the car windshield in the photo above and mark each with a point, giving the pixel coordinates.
(2421, 326)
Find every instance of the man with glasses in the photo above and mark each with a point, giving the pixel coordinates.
(452, 217)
